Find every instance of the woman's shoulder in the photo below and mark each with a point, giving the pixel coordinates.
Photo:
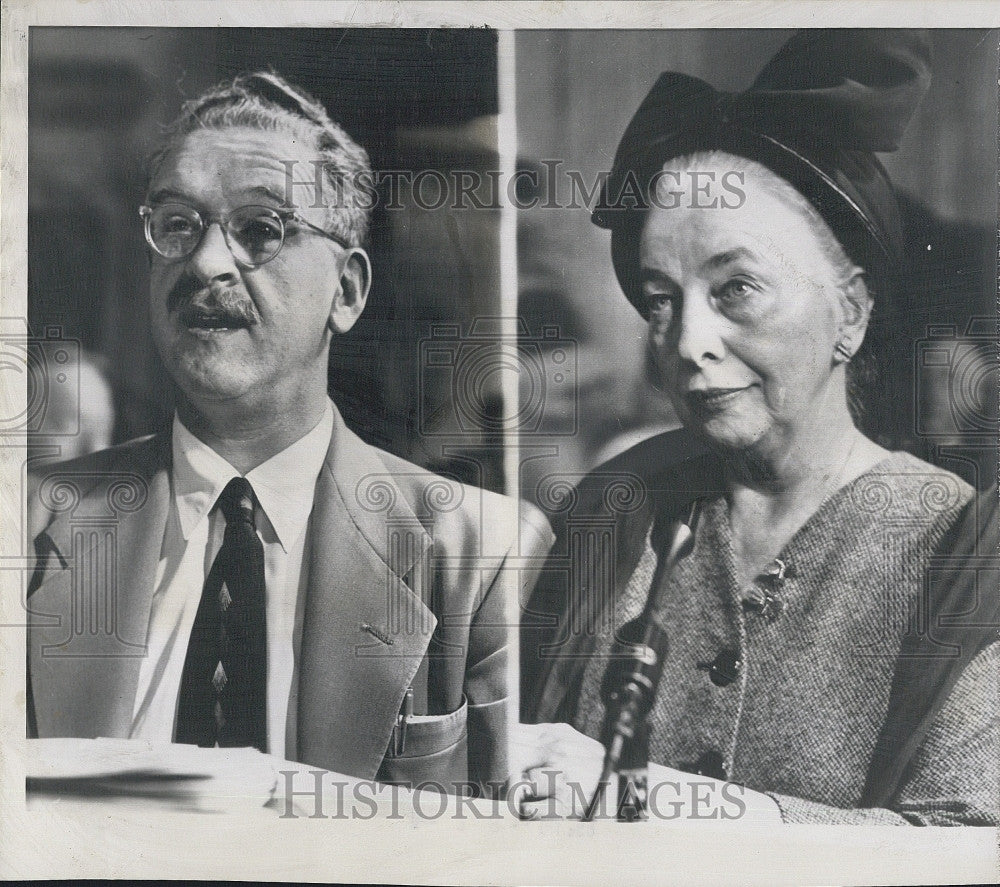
(903, 487)
(908, 471)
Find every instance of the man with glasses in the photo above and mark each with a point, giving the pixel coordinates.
(273, 581)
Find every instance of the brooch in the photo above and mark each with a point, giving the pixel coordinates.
(767, 602)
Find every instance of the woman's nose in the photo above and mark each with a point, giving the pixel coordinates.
(699, 332)
(213, 260)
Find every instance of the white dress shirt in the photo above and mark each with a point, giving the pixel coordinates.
(285, 486)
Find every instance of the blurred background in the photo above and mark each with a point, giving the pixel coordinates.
(420, 375)
(416, 99)
(576, 92)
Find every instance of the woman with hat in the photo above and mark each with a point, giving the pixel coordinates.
(758, 235)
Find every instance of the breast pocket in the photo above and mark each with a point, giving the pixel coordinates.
(435, 752)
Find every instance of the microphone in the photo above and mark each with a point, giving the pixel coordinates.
(638, 655)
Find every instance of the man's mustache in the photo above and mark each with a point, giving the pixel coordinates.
(191, 296)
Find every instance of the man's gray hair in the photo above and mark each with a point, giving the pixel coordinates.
(266, 101)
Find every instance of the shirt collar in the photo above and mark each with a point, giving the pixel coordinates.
(285, 484)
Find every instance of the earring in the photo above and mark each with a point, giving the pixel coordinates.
(843, 351)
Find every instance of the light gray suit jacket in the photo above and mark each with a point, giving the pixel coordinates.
(413, 582)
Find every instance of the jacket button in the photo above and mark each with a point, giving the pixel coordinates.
(724, 669)
(712, 765)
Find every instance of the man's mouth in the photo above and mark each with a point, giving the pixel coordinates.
(208, 320)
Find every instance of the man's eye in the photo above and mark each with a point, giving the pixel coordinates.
(179, 225)
(259, 230)
(658, 303)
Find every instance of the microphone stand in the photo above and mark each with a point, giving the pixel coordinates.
(629, 688)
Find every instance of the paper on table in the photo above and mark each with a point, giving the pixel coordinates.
(138, 773)
(186, 776)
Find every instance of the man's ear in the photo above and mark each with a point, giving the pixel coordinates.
(856, 303)
(352, 294)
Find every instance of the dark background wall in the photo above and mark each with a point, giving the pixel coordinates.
(416, 99)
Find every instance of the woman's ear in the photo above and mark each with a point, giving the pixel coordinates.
(856, 304)
(352, 294)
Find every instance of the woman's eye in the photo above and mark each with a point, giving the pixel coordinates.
(736, 289)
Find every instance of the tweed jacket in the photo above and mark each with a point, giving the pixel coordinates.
(411, 581)
(867, 694)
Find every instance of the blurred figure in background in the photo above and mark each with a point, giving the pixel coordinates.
(78, 420)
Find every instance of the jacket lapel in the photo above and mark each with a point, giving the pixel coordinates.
(366, 626)
(89, 615)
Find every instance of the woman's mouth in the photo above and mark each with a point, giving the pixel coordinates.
(713, 398)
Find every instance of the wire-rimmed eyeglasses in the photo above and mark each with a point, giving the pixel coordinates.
(254, 234)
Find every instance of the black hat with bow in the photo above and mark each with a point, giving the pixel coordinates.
(815, 116)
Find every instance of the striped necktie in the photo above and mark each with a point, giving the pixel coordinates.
(223, 696)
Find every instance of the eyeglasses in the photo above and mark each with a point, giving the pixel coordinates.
(254, 234)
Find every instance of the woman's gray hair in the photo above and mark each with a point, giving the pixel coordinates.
(266, 101)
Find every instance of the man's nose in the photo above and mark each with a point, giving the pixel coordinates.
(212, 260)
(700, 331)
